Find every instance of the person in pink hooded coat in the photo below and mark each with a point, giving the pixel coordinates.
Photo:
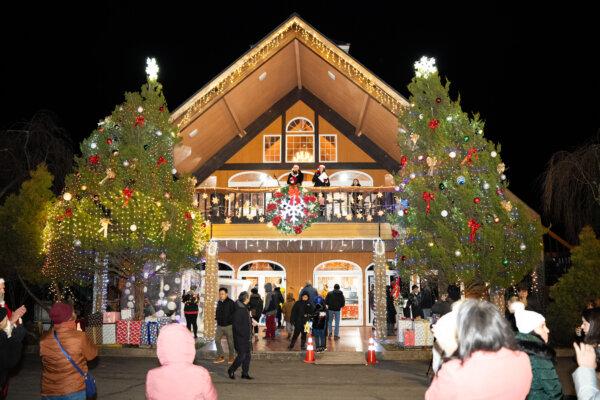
(178, 377)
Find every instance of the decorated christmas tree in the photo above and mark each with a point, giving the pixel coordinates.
(459, 218)
(125, 202)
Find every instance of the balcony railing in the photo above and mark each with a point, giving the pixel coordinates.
(341, 204)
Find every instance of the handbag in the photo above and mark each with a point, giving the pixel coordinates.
(90, 381)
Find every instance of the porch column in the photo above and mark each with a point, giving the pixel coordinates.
(211, 289)
(379, 271)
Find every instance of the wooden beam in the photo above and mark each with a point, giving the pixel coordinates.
(361, 117)
(252, 130)
(298, 74)
(347, 129)
(303, 166)
(236, 121)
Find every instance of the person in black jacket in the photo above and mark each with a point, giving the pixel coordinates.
(224, 317)
(390, 310)
(242, 334)
(256, 306)
(295, 177)
(280, 300)
(301, 313)
(10, 350)
(321, 179)
(335, 301)
(190, 310)
(319, 323)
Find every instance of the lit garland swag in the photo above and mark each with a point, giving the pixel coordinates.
(125, 200)
(457, 216)
(292, 209)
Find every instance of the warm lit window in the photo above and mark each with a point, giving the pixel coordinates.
(300, 148)
(327, 148)
(300, 125)
(272, 148)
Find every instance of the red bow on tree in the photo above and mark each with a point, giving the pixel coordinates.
(403, 160)
(94, 159)
(473, 225)
(434, 123)
(428, 196)
(469, 157)
(188, 215)
(127, 193)
(161, 160)
(68, 213)
(139, 120)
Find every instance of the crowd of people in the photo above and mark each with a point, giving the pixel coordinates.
(482, 354)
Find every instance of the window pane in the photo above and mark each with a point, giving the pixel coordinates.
(299, 125)
(272, 150)
(300, 148)
(327, 148)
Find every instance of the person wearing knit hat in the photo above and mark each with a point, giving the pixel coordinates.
(532, 339)
(59, 378)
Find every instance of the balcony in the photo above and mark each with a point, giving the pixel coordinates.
(343, 204)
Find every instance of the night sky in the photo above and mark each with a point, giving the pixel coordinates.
(530, 73)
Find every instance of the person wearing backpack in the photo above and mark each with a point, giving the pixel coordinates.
(256, 308)
(65, 352)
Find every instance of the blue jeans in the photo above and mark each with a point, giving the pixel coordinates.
(337, 315)
(70, 396)
(319, 335)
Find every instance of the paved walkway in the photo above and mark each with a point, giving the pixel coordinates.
(123, 378)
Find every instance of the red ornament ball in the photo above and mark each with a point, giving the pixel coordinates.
(94, 159)
(476, 200)
(434, 123)
(109, 141)
(161, 108)
(403, 258)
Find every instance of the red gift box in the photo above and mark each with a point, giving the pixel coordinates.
(409, 338)
(129, 332)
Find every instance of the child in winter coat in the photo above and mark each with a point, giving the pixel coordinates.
(172, 380)
(287, 314)
(319, 323)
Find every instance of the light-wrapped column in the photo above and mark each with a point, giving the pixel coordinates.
(380, 266)
(210, 289)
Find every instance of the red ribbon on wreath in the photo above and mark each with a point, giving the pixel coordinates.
(127, 193)
(469, 157)
(473, 225)
(428, 197)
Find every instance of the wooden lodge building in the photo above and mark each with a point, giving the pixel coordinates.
(295, 98)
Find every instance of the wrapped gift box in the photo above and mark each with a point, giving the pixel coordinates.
(150, 332)
(111, 317)
(94, 333)
(129, 332)
(127, 314)
(423, 334)
(95, 319)
(350, 311)
(109, 333)
(409, 338)
(402, 325)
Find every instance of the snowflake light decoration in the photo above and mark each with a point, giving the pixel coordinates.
(425, 67)
(291, 209)
(151, 69)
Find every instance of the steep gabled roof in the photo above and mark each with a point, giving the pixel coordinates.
(294, 55)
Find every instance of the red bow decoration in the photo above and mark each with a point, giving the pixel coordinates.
(469, 157)
(161, 160)
(139, 120)
(127, 193)
(94, 159)
(434, 123)
(188, 215)
(473, 225)
(294, 193)
(403, 160)
(68, 213)
(428, 196)
(396, 288)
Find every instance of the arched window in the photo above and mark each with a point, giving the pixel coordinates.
(300, 125)
(345, 178)
(262, 266)
(252, 179)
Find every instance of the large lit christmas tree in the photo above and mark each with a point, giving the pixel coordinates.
(125, 202)
(458, 215)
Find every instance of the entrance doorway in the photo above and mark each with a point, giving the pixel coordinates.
(260, 272)
(350, 278)
(370, 283)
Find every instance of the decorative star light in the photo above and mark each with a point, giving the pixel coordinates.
(152, 68)
(425, 67)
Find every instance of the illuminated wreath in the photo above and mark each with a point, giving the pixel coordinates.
(292, 209)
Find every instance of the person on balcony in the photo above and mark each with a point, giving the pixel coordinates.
(321, 179)
(295, 177)
(356, 201)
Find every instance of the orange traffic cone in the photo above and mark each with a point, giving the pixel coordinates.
(371, 357)
(310, 351)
